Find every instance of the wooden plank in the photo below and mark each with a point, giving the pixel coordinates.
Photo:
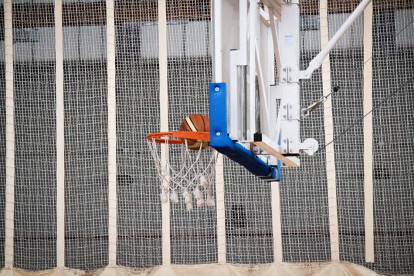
(368, 177)
(163, 69)
(330, 150)
(276, 223)
(60, 140)
(270, 150)
(112, 165)
(10, 169)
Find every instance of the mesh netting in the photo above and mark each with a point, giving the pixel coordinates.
(303, 191)
(189, 73)
(393, 151)
(2, 138)
(347, 72)
(86, 138)
(248, 210)
(139, 207)
(35, 139)
(393, 176)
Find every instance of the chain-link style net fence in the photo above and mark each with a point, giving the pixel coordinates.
(86, 135)
(35, 139)
(248, 210)
(137, 95)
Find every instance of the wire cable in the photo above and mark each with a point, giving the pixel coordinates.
(362, 118)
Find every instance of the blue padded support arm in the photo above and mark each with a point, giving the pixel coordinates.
(221, 142)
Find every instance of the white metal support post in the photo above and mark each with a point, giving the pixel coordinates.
(289, 81)
(9, 223)
(254, 21)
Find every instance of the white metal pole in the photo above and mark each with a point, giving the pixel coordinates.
(217, 78)
(162, 49)
(254, 18)
(60, 139)
(329, 152)
(9, 223)
(217, 60)
(317, 61)
(242, 31)
(368, 178)
(112, 178)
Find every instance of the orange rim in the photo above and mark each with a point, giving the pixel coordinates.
(200, 136)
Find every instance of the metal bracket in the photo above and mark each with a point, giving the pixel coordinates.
(289, 74)
(291, 112)
(309, 146)
(290, 145)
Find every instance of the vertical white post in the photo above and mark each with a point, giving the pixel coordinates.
(288, 82)
(217, 59)
(276, 223)
(221, 214)
(8, 44)
(254, 19)
(162, 48)
(60, 139)
(330, 154)
(217, 78)
(368, 180)
(243, 32)
(112, 197)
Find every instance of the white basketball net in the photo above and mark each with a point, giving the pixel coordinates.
(191, 177)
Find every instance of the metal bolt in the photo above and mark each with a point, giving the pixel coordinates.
(284, 106)
(284, 149)
(290, 141)
(284, 79)
(284, 140)
(217, 89)
(290, 69)
(284, 69)
(284, 116)
(290, 150)
(306, 74)
(290, 116)
(218, 133)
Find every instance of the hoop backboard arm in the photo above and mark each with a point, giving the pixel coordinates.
(317, 61)
(220, 140)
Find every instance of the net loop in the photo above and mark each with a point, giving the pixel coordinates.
(192, 175)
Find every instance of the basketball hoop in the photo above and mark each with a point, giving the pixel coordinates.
(193, 175)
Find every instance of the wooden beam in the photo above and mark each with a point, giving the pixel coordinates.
(270, 150)
(368, 130)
